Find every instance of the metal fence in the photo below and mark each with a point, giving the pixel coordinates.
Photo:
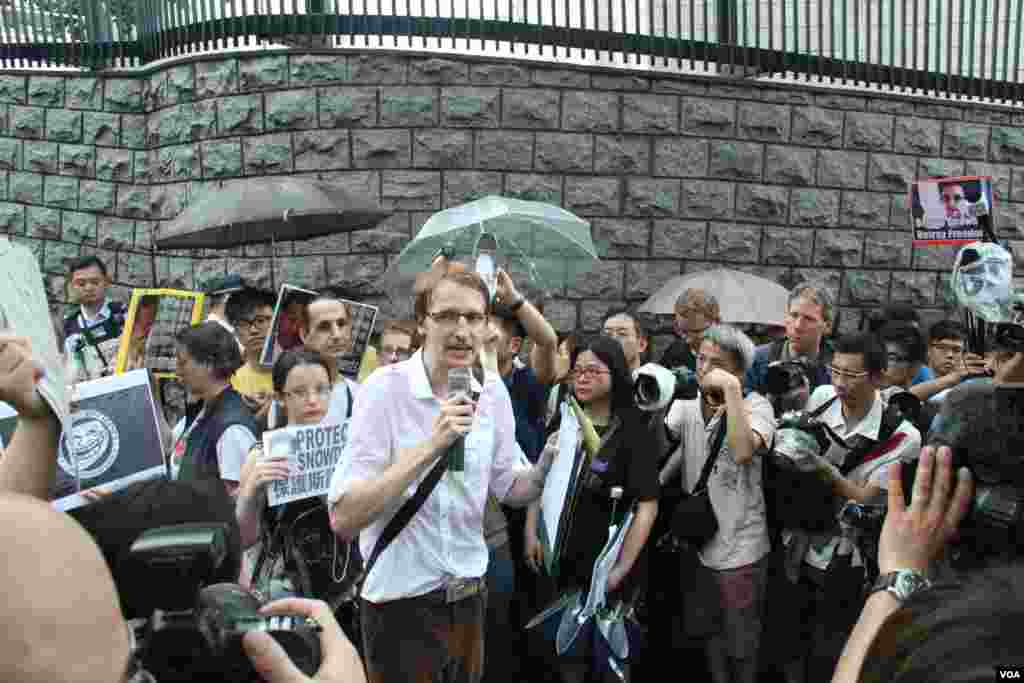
(963, 48)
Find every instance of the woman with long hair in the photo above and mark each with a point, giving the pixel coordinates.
(285, 560)
(626, 459)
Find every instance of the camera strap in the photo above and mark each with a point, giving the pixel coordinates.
(709, 464)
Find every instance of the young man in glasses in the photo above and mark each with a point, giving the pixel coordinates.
(251, 312)
(857, 470)
(425, 596)
(397, 342)
(695, 311)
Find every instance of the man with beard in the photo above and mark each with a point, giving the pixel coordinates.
(251, 312)
(809, 318)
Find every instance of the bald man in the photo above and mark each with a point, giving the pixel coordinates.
(63, 618)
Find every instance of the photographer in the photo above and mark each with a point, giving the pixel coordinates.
(809, 318)
(830, 567)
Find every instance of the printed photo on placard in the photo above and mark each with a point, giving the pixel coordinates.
(113, 438)
(8, 422)
(155, 316)
(313, 452)
(949, 210)
(284, 329)
(288, 321)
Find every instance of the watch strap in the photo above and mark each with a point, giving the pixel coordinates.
(517, 304)
(889, 582)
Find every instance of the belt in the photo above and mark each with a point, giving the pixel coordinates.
(460, 589)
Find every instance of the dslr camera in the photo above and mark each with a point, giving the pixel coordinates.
(656, 386)
(194, 631)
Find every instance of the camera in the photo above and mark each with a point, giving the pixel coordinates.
(194, 631)
(656, 386)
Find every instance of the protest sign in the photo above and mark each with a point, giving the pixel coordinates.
(284, 331)
(24, 311)
(313, 452)
(558, 499)
(112, 438)
(155, 316)
(951, 210)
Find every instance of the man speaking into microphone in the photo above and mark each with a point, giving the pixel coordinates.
(422, 604)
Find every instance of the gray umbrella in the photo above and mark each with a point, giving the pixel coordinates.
(258, 210)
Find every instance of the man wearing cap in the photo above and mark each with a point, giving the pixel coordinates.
(218, 291)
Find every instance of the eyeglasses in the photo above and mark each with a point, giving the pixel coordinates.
(399, 354)
(322, 392)
(259, 321)
(619, 332)
(591, 371)
(451, 317)
(846, 374)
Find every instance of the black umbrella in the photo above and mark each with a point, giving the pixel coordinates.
(259, 210)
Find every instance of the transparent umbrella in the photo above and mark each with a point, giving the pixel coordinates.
(547, 245)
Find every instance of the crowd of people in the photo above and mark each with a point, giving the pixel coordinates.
(429, 552)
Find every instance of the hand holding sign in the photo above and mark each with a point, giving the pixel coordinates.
(18, 377)
(259, 470)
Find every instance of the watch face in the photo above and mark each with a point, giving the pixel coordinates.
(908, 583)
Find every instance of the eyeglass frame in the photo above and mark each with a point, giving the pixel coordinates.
(473, 319)
(323, 392)
(250, 323)
(590, 371)
(844, 374)
(400, 354)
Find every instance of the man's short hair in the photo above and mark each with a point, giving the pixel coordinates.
(632, 314)
(907, 337)
(307, 321)
(733, 341)
(815, 295)
(453, 272)
(867, 345)
(406, 327)
(946, 329)
(212, 346)
(91, 261)
(699, 301)
(894, 313)
(244, 303)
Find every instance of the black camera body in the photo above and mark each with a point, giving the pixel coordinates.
(195, 631)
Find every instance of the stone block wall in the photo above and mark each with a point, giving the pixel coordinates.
(676, 174)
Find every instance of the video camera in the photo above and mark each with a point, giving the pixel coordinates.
(656, 386)
(194, 631)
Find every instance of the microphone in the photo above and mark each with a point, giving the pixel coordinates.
(460, 388)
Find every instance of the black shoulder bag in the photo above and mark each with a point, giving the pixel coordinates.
(694, 521)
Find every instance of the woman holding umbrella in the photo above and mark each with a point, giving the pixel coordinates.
(624, 460)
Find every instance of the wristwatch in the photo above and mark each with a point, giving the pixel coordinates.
(902, 583)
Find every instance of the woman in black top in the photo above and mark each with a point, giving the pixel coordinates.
(626, 458)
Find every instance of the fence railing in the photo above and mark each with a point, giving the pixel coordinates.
(965, 48)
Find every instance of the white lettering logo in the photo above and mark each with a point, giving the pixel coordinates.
(90, 446)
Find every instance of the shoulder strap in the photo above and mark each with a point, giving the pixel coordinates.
(891, 420)
(716, 448)
(404, 516)
(348, 399)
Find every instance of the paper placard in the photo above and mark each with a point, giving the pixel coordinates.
(558, 486)
(155, 316)
(112, 438)
(946, 210)
(313, 452)
(284, 331)
(24, 311)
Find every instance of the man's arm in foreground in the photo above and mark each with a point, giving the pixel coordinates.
(911, 538)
